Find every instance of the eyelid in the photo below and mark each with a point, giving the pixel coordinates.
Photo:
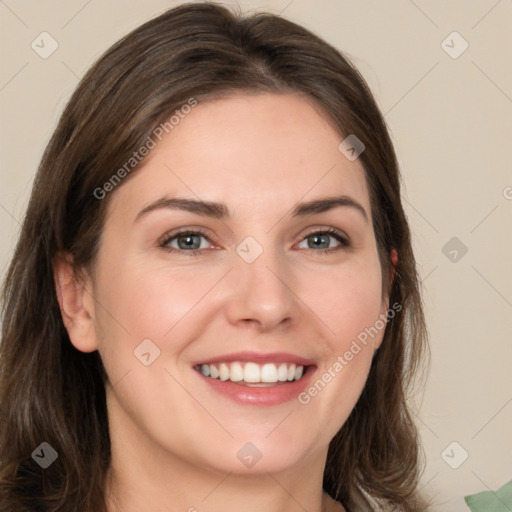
(323, 228)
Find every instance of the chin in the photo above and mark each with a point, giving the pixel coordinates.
(257, 456)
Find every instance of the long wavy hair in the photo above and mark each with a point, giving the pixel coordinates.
(51, 392)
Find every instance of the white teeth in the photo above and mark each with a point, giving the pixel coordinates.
(237, 372)
(269, 373)
(214, 371)
(253, 373)
(282, 372)
(223, 371)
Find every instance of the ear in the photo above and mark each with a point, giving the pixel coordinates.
(385, 303)
(394, 258)
(76, 302)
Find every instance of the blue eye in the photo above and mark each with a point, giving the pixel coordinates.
(322, 240)
(187, 241)
(194, 243)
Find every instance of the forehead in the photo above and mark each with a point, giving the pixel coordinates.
(262, 152)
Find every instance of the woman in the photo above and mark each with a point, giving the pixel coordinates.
(213, 302)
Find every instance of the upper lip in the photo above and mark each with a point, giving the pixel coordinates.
(257, 357)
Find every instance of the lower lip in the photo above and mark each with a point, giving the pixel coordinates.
(260, 396)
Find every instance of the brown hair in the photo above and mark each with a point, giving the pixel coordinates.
(50, 392)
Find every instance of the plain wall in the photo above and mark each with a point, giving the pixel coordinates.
(451, 122)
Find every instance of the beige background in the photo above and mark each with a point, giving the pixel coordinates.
(451, 120)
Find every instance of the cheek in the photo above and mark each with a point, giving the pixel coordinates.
(147, 302)
(349, 303)
(137, 302)
(347, 300)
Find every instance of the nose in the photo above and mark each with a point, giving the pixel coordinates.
(261, 293)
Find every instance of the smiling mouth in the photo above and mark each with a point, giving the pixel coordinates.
(253, 374)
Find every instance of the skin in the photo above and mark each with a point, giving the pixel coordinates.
(174, 440)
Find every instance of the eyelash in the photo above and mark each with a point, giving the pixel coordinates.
(343, 241)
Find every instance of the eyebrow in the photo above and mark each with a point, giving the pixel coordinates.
(221, 211)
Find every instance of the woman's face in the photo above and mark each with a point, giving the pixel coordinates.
(278, 267)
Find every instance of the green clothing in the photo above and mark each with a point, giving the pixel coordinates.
(489, 501)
